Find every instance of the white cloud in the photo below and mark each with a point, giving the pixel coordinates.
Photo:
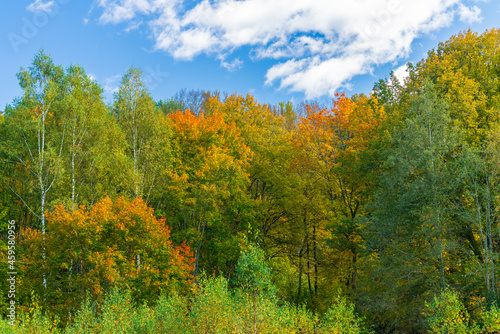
(401, 73)
(469, 14)
(315, 76)
(40, 5)
(123, 10)
(133, 26)
(320, 44)
(231, 66)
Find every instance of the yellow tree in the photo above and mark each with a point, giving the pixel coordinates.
(263, 130)
(464, 70)
(207, 187)
(273, 186)
(333, 150)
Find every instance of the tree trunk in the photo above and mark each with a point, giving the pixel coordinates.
(198, 251)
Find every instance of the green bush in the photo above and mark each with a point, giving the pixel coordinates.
(85, 321)
(490, 320)
(116, 314)
(446, 315)
(250, 306)
(340, 319)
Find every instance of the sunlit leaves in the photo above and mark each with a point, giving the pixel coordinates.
(114, 244)
(207, 189)
(147, 135)
(465, 72)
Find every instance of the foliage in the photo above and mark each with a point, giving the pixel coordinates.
(446, 314)
(464, 72)
(383, 203)
(114, 244)
(252, 274)
(213, 308)
(207, 188)
(340, 318)
(147, 135)
(490, 319)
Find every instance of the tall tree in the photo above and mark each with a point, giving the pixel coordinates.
(192, 100)
(207, 188)
(464, 70)
(332, 147)
(34, 146)
(272, 185)
(410, 227)
(146, 131)
(477, 213)
(93, 152)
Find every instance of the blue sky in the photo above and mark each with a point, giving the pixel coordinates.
(277, 50)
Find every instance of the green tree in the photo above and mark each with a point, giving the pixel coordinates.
(147, 134)
(409, 228)
(33, 148)
(252, 273)
(477, 210)
(93, 152)
(170, 106)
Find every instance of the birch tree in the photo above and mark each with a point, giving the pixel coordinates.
(94, 149)
(36, 136)
(146, 131)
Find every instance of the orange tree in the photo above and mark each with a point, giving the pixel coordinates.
(118, 244)
(207, 195)
(335, 160)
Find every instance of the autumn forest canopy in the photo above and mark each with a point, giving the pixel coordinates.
(214, 213)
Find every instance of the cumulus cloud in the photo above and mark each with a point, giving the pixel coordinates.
(232, 65)
(401, 73)
(40, 5)
(317, 45)
(469, 14)
(123, 10)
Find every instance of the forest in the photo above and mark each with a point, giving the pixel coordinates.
(210, 212)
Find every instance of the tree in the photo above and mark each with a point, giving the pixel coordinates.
(192, 100)
(115, 244)
(207, 187)
(169, 106)
(271, 185)
(464, 71)
(93, 153)
(147, 134)
(446, 314)
(332, 155)
(252, 274)
(34, 147)
(477, 209)
(410, 223)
